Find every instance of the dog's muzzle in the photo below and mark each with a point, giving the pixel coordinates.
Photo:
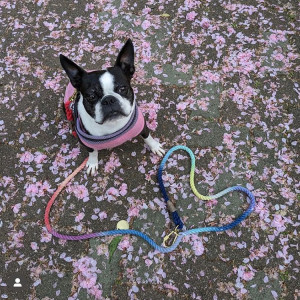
(111, 108)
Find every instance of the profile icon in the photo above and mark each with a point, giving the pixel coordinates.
(17, 280)
(17, 283)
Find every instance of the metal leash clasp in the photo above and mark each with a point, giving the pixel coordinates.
(170, 239)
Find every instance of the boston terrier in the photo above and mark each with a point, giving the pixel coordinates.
(103, 108)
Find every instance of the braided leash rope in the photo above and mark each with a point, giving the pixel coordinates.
(176, 218)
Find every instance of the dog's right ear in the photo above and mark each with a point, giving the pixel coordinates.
(73, 71)
(125, 59)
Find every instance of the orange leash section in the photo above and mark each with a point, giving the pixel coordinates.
(61, 186)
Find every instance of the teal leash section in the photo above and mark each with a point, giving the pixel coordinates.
(176, 235)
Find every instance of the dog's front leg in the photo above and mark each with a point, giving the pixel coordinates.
(92, 163)
(154, 145)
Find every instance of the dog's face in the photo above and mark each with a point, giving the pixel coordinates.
(107, 95)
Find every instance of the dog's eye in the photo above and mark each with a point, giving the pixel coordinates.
(122, 89)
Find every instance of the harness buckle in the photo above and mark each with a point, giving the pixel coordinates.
(170, 239)
(73, 97)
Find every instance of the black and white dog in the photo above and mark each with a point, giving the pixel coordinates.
(105, 110)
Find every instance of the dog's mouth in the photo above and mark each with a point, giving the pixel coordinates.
(112, 115)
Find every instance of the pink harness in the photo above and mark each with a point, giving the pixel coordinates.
(133, 127)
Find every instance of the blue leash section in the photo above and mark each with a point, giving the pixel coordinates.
(172, 240)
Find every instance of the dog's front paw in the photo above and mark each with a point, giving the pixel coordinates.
(92, 163)
(156, 148)
(91, 168)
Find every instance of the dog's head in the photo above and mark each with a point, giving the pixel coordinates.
(107, 94)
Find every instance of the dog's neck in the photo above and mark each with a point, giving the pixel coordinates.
(97, 129)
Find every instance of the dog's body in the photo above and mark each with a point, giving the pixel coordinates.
(105, 104)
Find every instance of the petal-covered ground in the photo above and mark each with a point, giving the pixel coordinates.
(221, 77)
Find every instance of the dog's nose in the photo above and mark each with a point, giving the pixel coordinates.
(108, 100)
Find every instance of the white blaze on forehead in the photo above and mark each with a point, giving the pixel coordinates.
(107, 83)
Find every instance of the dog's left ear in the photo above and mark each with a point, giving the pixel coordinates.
(125, 59)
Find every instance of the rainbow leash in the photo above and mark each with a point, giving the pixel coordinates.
(172, 240)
